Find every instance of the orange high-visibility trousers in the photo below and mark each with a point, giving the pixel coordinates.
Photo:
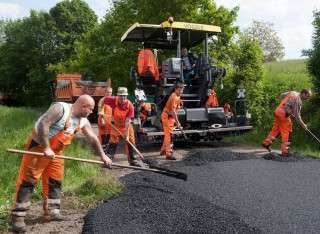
(168, 124)
(32, 168)
(115, 138)
(283, 126)
(104, 132)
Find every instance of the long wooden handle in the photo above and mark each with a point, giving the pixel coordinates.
(80, 160)
(313, 135)
(132, 145)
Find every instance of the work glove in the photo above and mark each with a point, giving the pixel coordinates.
(126, 137)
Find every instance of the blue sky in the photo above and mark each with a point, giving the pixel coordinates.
(292, 19)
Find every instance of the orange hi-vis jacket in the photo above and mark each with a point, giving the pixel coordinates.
(145, 110)
(107, 113)
(173, 100)
(147, 62)
(212, 101)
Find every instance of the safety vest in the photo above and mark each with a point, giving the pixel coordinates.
(62, 138)
(119, 116)
(145, 110)
(146, 62)
(212, 101)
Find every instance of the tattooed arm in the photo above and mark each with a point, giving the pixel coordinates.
(53, 115)
(95, 144)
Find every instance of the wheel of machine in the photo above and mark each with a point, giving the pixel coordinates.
(195, 138)
(212, 138)
(219, 138)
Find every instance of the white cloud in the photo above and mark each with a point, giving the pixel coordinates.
(292, 20)
(10, 10)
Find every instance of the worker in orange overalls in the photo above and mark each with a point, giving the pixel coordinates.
(227, 110)
(145, 111)
(122, 113)
(169, 118)
(52, 132)
(212, 100)
(104, 120)
(290, 106)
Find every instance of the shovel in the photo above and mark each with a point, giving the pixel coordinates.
(151, 163)
(185, 136)
(146, 161)
(175, 174)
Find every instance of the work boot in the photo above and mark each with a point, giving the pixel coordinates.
(17, 224)
(285, 155)
(170, 157)
(266, 147)
(54, 217)
(134, 164)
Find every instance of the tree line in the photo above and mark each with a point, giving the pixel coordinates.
(69, 39)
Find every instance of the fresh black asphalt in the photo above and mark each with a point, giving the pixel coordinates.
(226, 192)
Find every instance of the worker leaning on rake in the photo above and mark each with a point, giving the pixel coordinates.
(122, 113)
(291, 103)
(52, 132)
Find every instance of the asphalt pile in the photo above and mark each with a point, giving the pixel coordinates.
(293, 157)
(153, 203)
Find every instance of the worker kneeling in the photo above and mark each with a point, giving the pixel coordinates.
(122, 113)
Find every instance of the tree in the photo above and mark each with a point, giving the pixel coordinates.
(103, 54)
(313, 63)
(271, 44)
(313, 67)
(39, 46)
(29, 49)
(2, 31)
(73, 20)
(248, 74)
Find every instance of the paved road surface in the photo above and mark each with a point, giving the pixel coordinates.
(226, 192)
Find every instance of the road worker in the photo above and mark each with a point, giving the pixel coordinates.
(169, 119)
(212, 100)
(104, 120)
(122, 113)
(291, 103)
(52, 132)
(145, 111)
